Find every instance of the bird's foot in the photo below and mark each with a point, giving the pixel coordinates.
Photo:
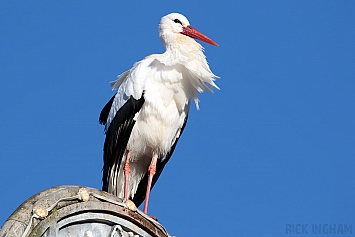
(154, 218)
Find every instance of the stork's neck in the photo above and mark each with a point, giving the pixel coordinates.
(178, 45)
(176, 41)
(185, 51)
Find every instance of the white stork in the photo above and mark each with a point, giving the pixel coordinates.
(145, 118)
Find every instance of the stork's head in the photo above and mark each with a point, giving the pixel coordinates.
(175, 25)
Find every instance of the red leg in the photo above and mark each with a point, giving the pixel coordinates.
(151, 170)
(126, 170)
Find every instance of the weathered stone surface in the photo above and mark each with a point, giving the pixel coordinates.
(65, 215)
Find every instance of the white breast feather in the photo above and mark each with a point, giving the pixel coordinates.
(168, 80)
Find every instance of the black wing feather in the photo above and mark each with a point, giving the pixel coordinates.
(117, 136)
(142, 187)
(105, 111)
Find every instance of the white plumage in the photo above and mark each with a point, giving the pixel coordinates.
(163, 84)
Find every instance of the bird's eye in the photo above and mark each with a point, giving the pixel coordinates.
(177, 21)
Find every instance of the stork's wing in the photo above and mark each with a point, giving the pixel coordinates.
(117, 136)
(117, 116)
(142, 187)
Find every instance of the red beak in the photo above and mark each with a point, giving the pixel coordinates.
(192, 32)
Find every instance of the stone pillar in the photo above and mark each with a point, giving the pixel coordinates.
(67, 211)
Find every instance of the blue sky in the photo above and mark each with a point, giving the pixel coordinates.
(274, 146)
